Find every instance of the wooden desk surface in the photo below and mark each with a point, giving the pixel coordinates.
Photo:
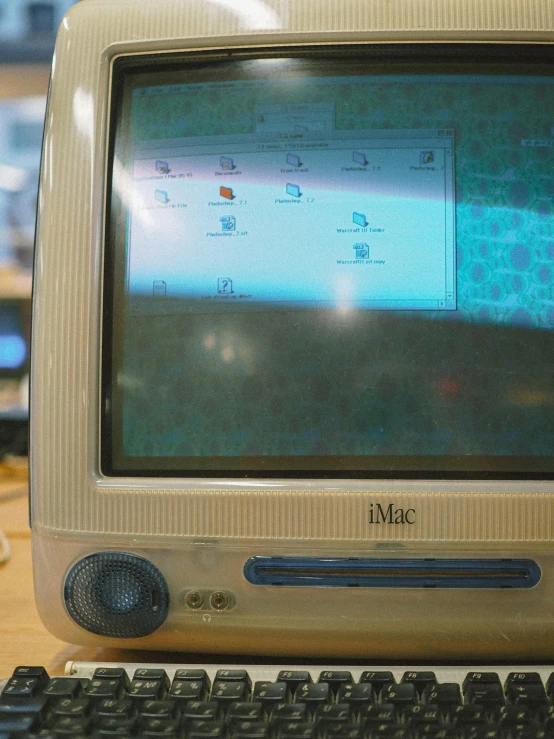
(23, 638)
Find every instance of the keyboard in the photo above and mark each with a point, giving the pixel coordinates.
(102, 700)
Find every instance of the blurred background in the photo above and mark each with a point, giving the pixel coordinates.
(27, 35)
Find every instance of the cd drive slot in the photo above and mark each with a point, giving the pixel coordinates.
(349, 572)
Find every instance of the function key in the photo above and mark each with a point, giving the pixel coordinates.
(144, 673)
(420, 680)
(114, 673)
(377, 679)
(294, 678)
(335, 678)
(480, 678)
(37, 672)
(194, 675)
(235, 676)
(523, 678)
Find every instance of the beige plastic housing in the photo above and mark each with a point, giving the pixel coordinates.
(198, 532)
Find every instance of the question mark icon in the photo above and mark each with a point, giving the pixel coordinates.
(224, 286)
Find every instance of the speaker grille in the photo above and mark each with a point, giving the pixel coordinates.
(117, 594)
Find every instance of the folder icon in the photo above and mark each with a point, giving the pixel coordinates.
(226, 192)
(359, 219)
(293, 160)
(293, 190)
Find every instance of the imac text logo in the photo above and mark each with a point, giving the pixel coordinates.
(390, 514)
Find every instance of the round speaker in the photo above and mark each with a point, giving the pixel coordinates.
(117, 594)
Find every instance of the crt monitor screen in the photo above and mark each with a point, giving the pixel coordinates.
(331, 266)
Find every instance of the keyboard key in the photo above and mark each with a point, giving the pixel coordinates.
(377, 679)
(270, 694)
(463, 716)
(107, 687)
(294, 678)
(115, 673)
(480, 678)
(202, 711)
(11, 725)
(333, 713)
(445, 696)
(249, 730)
(313, 694)
(244, 712)
(418, 715)
(420, 680)
(20, 687)
(224, 692)
(485, 694)
(357, 696)
(199, 729)
(289, 712)
(378, 714)
(152, 674)
(531, 694)
(240, 676)
(341, 731)
(295, 730)
(195, 675)
(115, 707)
(399, 695)
(146, 689)
(120, 726)
(63, 687)
(69, 726)
(335, 678)
(158, 709)
(77, 707)
(511, 715)
(37, 672)
(159, 727)
(186, 690)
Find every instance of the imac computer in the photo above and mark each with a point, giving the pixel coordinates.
(293, 329)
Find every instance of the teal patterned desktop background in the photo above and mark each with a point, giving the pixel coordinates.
(475, 381)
